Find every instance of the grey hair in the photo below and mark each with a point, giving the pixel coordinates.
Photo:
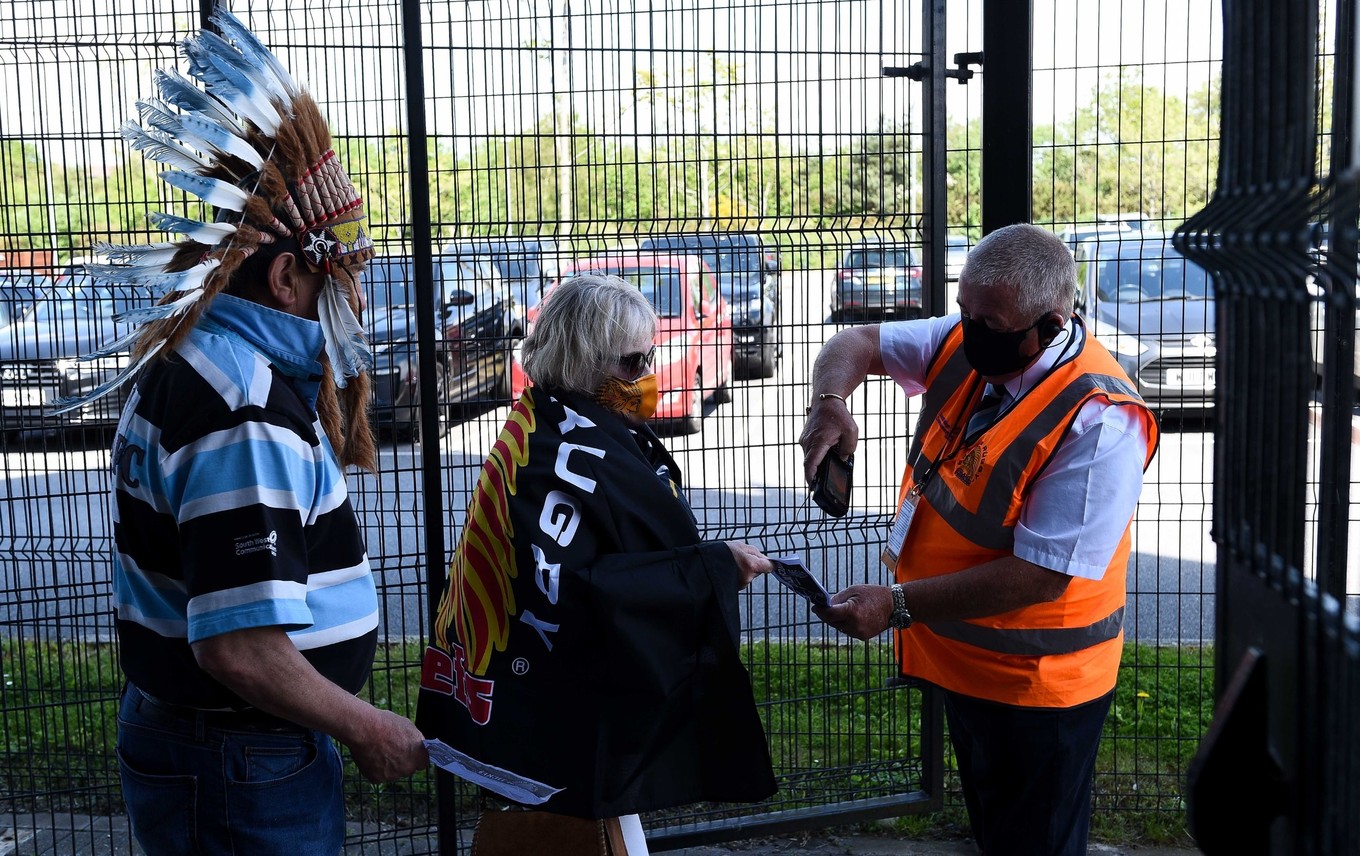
(584, 325)
(1034, 263)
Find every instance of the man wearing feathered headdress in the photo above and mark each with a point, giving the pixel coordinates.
(246, 611)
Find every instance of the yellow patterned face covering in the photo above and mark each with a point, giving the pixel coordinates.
(629, 398)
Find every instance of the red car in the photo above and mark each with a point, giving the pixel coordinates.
(694, 329)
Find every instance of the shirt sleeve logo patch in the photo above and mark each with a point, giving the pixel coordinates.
(257, 543)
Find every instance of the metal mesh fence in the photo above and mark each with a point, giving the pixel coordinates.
(569, 131)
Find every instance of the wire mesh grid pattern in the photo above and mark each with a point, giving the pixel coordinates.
(568, 131)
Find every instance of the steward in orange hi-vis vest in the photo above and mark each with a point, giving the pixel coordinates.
(971, 490)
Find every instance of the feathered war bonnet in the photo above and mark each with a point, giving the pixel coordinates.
(253, 145)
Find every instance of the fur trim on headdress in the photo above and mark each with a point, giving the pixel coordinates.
(254, 147)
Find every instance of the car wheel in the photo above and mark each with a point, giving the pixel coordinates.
(502, 391)
(769, 354)
(441, 406)
(692, 422)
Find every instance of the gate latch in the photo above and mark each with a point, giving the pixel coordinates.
(919, 70)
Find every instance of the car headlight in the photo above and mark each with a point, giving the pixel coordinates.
(1123, 344)
(99, 366)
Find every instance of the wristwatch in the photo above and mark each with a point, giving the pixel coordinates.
(901, 618)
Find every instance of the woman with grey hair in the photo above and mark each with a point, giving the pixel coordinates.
(584, 661)
(591, 327)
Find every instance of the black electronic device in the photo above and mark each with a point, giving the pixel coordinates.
(831, 484)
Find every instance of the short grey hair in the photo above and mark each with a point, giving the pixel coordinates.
(584, 325)
(1034, 263)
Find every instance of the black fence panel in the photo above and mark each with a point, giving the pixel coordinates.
(1276, 772)
(499, 143)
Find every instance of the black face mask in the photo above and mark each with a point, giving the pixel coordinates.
(993, 353)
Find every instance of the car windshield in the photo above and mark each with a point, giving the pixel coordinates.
(518, 266)
(1170, 277)
(91, 303)
(663, 286)
(18, 293)
(388, 283)
(878, 259)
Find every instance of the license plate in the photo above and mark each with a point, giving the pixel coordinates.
(1190, 378)
(25, 397)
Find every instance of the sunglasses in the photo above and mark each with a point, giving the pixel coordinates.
(637, 363)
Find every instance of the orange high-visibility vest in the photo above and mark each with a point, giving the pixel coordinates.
(1056, 654)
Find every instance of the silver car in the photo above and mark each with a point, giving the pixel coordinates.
(1154, 309)
(39, 364)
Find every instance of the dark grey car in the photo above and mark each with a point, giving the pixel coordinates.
(478, 324)
(877, 279)
(748, 277)
(1154, 309)
(528, 265)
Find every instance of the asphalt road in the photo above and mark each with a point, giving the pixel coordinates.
(743, 471)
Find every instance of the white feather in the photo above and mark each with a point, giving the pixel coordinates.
(154, 277)
(345, 344)
(211, 234)
(159, 146)
(139, 254)
(157, 311)
(223, 140)
(66, 405)
(181, 92)
(213, 191)
(249, 97)
(254, 50)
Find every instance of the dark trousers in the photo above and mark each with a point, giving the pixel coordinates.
(1026, 773)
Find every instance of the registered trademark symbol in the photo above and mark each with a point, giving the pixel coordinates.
(520, 666)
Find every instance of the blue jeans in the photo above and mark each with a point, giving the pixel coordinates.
(204, 782)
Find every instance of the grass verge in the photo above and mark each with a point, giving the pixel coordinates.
(837, 727)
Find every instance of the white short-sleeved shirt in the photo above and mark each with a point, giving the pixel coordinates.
(1083, 501)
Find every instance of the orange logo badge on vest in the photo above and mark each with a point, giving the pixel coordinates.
(971, 464)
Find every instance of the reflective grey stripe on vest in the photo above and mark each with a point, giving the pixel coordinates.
(951, 377)
(1032, 642)
(984, 527)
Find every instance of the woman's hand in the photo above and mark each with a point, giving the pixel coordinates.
(751, 563)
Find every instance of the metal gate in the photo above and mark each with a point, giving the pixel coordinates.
(586, 127)
(1277, 772)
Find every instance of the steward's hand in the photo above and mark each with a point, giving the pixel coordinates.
(829, 430)
(860, 611)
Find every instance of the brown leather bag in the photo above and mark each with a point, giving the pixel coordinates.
(524, 832)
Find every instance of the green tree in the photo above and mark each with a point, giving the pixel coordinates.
(1133, 148)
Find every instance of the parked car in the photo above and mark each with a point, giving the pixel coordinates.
(1112, 230)
(38, 356)
(1318, 327)
(878, 279)
(956, 249)
(478, 325)
(1139, 221)
(19, 291)
(1154, 309)
(694, 331)
(748, 277)
(528, 265)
